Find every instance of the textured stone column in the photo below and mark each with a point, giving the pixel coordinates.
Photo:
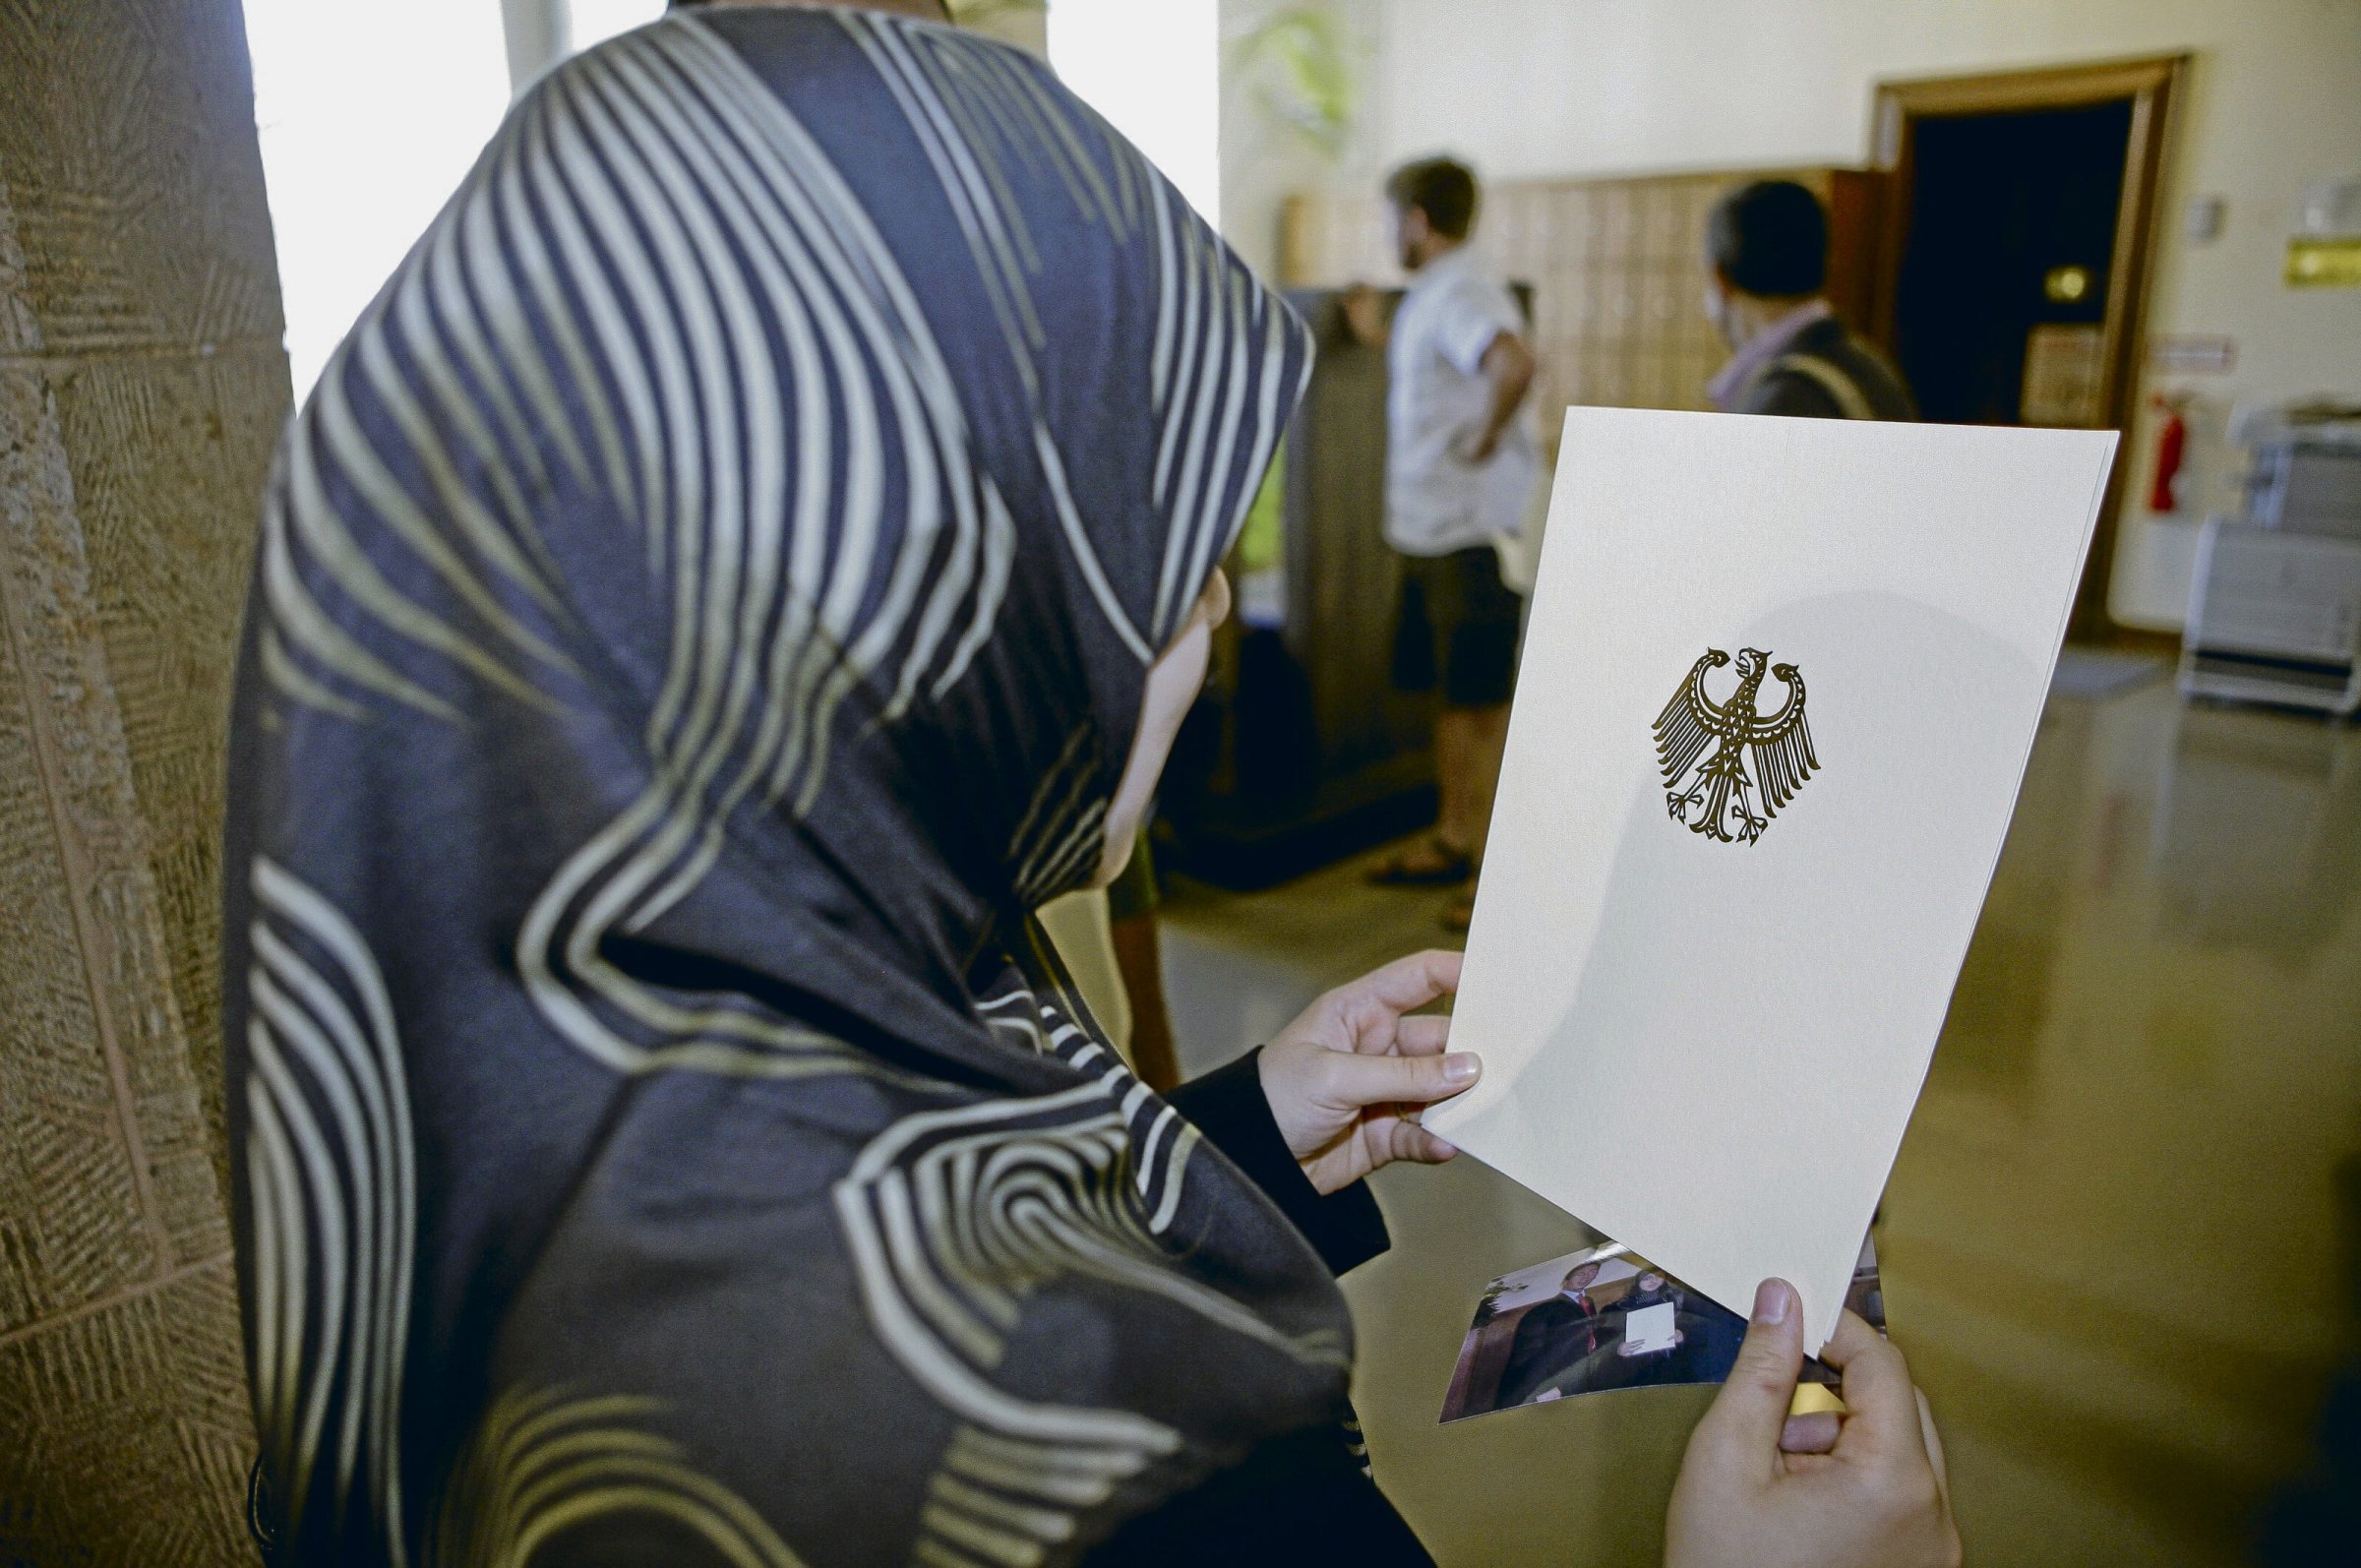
(141, 385)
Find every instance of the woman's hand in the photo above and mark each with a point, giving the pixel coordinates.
(1876, 1499)
(1346, 1080)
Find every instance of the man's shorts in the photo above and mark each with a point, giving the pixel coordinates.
(1457, 625)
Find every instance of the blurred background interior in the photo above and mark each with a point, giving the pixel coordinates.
(2120, 1241)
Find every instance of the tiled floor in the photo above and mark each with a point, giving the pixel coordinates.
(2113, 1245)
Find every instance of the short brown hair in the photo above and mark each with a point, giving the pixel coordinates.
(1445, 189)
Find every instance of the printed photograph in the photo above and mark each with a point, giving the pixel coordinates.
(1604, 1319)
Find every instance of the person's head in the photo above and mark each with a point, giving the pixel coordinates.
(1580, 1276)
(1650, 1283)
(1766, 248)
(922, 661)
(1434, 209)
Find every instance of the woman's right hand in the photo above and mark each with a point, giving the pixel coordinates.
(1877, 1498)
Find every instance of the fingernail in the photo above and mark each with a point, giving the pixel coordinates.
(1461, 1069)
(1771, 1298)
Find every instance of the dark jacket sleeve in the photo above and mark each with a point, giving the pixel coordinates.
(1302, 1498)
(1298, 1500)
(1227, 1106)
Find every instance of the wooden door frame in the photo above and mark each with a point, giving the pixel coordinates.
(2154, 86)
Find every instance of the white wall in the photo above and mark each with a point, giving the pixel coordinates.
(367, 120)
(1527, 87)
(1154, 71)
(1265, 158)
(1023, 23)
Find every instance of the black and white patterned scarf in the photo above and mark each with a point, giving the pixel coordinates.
(705, 603)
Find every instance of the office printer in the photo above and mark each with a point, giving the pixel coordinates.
(2275, 604)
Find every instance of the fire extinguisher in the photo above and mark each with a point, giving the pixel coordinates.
(2173, 444)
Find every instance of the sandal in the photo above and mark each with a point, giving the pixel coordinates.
(1433, 862)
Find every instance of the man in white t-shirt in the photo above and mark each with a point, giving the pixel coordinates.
(1461, 465)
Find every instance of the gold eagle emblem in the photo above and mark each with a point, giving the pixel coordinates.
(1721, 797)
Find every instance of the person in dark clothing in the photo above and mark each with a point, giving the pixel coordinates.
(1765, 246)
(1705, 1346)
(1551, 1335)
(1649, 1289)
(733, 573)
(693, 630)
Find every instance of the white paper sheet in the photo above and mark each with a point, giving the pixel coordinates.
(1709, 1050)
(1651, 1328)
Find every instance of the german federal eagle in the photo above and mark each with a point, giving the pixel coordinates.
(1721, 798)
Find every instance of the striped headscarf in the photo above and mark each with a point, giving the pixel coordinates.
(703, 607)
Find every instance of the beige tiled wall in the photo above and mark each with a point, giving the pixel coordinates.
(1617, 269)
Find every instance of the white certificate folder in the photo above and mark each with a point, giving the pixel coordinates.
(1781, 677)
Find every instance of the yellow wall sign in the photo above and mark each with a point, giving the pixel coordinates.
(2332, 263)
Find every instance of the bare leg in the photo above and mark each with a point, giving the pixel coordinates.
(1482, 736)
(1457, 735)
(1487, 739)
(1441, 858)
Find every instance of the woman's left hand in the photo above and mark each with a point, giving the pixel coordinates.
(1347, 1079)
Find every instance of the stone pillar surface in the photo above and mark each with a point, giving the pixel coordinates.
(142, 386)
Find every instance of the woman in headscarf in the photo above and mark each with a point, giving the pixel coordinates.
(757, 549)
